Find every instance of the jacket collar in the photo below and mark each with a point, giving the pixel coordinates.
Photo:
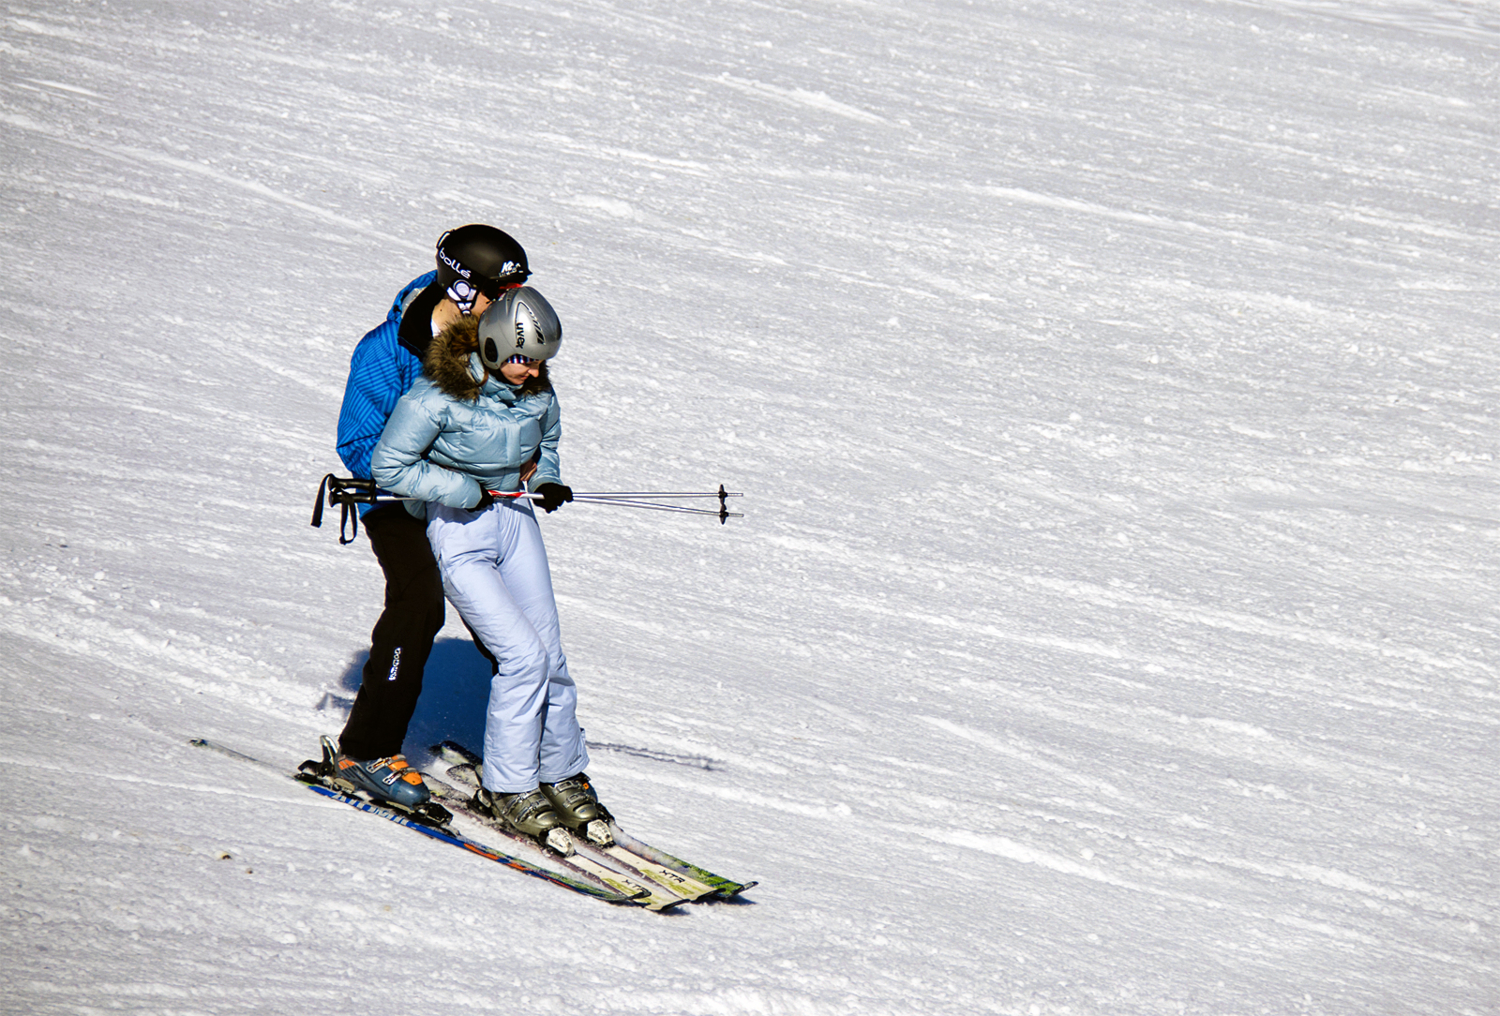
(415, 330)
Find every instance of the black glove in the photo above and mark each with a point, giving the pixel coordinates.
(485, 499)
(553, 495)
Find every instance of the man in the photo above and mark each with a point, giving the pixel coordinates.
(474, 264)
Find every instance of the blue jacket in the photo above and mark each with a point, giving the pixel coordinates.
(380, 372)
(439, 447)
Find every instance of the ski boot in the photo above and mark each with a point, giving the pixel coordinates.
(578, 807)
(529, 814)
(389, 781)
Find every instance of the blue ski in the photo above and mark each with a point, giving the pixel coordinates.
(581, 882)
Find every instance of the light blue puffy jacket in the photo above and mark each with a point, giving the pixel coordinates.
(436, 447)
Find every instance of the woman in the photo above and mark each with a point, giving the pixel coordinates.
(484, 418)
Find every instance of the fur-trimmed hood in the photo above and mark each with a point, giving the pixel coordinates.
(459, 430)
(453, 365)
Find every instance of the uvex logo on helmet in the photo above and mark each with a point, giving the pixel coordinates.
(521, 316)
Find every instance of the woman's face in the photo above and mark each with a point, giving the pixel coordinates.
(520, 373)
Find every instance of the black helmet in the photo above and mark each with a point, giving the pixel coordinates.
(478, 259)
(520, 325)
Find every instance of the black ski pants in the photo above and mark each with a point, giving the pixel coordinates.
(402, 638)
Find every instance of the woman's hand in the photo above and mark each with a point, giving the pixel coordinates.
(553, 495)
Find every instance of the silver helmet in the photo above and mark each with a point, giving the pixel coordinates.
(521, 323)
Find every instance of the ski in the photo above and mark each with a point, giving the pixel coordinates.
(609, 846)
(676, 867)
(559, 850)
(612, 890)
(658, 892)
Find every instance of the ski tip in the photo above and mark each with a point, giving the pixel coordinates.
(203, 742)
(454, 752)
(665, 906)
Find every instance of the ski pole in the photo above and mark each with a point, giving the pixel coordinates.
(621, 502)
(520, 495)
(614, 494)
(633, 499)
(347, 492)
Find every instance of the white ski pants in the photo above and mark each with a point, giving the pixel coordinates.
(495, 573)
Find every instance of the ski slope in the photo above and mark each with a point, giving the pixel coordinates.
(1113, 390)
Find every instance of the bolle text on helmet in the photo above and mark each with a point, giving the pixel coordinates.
(460, 269)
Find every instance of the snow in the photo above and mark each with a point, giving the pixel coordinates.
(1113, 628)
